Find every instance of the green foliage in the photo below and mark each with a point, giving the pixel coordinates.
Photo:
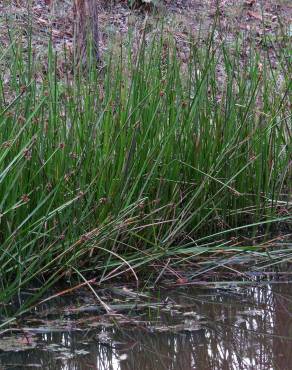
(147, 160)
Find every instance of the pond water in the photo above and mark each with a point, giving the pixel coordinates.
(224, 327)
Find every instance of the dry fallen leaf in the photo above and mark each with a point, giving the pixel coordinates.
(255, 15)
(250, 2)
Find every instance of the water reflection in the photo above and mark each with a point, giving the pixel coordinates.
(238, 329)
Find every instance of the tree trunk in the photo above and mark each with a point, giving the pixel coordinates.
(86, 29)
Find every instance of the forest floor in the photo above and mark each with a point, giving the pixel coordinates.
(182, 19)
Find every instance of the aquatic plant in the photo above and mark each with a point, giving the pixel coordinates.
(104, 171)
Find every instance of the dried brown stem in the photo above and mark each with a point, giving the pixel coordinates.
(86, 29)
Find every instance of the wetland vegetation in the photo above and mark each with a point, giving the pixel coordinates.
(151, 165)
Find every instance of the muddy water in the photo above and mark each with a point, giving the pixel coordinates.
(219, 328)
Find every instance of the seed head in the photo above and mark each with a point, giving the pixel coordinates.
(25, 198)
(27, 154)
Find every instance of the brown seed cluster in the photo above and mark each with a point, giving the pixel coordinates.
(25, 198)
